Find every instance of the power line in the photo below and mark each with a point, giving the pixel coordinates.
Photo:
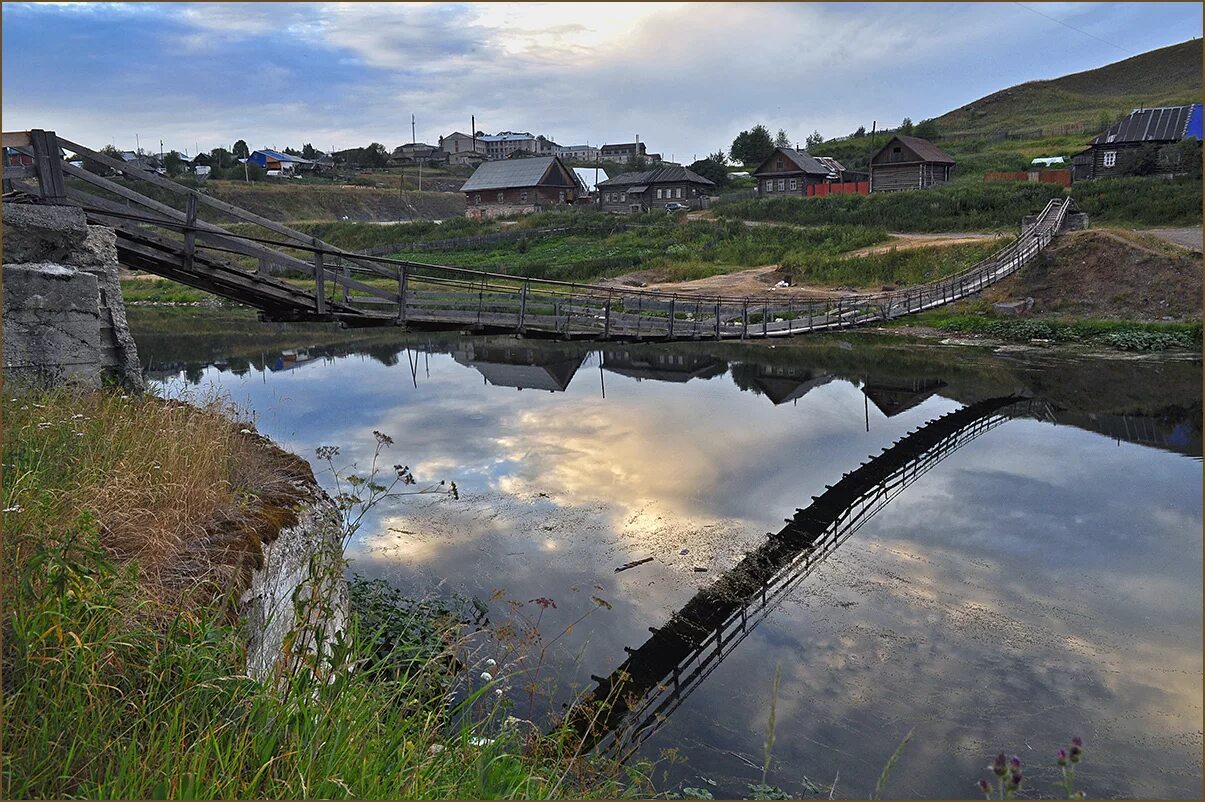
(1072, 27)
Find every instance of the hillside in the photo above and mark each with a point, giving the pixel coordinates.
(1164, 77)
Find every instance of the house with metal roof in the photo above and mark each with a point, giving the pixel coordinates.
(787, 171)
(655, 189)
(275, 160)
(1106, 155)
(909, 162)
(519, 186)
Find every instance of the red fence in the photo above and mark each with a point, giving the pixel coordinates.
(845, 188)
(1060, 177)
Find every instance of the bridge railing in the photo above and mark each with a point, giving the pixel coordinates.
(291, 275)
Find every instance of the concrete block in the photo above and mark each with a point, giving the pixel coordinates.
(36, 233)
(51, 324)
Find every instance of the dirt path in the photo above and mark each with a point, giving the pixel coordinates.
(1187, 237)
(907, 242)
(754, 281)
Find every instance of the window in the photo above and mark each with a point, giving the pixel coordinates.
(794, 185)
(501, 197)
(658, 194)
(769, 186)
(1110, 158)
(623, 197)
(782, 184)
(895, 150)
(477, 198)
(778, 164)
(679, 192)
(523, 196)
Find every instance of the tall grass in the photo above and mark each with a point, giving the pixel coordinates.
(898, 267)
(115, 688)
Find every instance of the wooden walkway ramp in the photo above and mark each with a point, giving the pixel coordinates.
(185, 235)
(627, 706)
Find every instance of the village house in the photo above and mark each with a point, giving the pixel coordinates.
(417, 153)
(580, 153)
(787, 171)
(456, 142)
(622, 152)
(909, 162)
(519, 186)
(654, 189)
(285, 163)
(1106, 154)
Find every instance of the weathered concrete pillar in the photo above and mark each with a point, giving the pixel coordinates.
(64, 317)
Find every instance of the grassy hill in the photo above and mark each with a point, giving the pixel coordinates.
(1007, 129)
(1074, 103)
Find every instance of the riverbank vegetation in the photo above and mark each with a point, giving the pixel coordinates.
(1126, 335)
(124, 664)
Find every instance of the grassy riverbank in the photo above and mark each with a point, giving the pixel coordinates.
(128, 523)
(1125, 335)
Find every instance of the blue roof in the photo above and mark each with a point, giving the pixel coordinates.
(1193, 131)
(277, 156)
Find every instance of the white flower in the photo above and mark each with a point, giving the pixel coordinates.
(486, 676)
(491, 662)
(480, 741)
(497, 691)
(14, 508)
(244, 431)
(77, 416)
(435, 749)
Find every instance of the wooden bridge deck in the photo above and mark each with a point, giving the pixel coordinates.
(290, 276)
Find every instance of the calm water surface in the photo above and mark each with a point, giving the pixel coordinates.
(1039, 581)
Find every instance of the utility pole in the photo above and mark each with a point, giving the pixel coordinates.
(412, 139)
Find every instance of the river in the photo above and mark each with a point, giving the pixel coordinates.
(1037, 577)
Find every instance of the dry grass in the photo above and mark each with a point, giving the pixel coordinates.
(189, 491)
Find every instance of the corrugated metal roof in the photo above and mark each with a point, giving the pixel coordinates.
(1193, 131)
(278, 156)
(661, 175)
(509, 173)
(1165, 124)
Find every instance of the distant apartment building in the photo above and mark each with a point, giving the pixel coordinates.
(508, 143)
(580, 153)
(457, 142)
(623, 151)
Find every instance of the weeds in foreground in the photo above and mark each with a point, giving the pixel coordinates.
(1009, 775)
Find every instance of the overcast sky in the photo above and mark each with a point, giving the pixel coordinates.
(685, 78)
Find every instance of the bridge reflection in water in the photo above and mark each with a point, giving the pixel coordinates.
(629, 705)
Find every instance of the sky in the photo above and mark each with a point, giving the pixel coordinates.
(685, 78)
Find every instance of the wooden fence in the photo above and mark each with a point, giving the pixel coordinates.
(360, 289)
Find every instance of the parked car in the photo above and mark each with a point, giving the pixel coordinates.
(676, 207)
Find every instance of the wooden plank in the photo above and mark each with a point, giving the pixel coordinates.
(229, 208)
(16, 139)
(14, 172)
(190, 236)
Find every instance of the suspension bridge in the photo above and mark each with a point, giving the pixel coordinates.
(291, 276)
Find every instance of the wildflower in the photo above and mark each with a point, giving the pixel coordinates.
(1014, 763)
(77, 416)
(486, 676)
(1015, 780)
(244, 431)
(14, 508)
(999, 765)
(1061, 756)
(45, 425)
(1077, 749)
(497, 691)
(491, 662)
(544, 602)
(435, 749)
(985, 788)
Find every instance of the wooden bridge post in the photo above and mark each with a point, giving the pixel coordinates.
(345, 271)
(49, 164)
(522, 307)
(745, 320)
(480, 298)
(319, 281)
(607, 315)
(190, 232)
(790, 317)
(765, 320)
(673, 307)
(717, 320)
(403, 274)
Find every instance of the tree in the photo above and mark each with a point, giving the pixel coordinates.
(479, 134)
(781, 140)
(1143, 160)
(752, 146)
(98, 168)
(861, 132)
(636, 163)
(814, 139)
(905, 127)
(291, 152)
(712, 168)
(308, 152)
(927, 129)
(240, 150)
(173, 163)
(221, 158)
